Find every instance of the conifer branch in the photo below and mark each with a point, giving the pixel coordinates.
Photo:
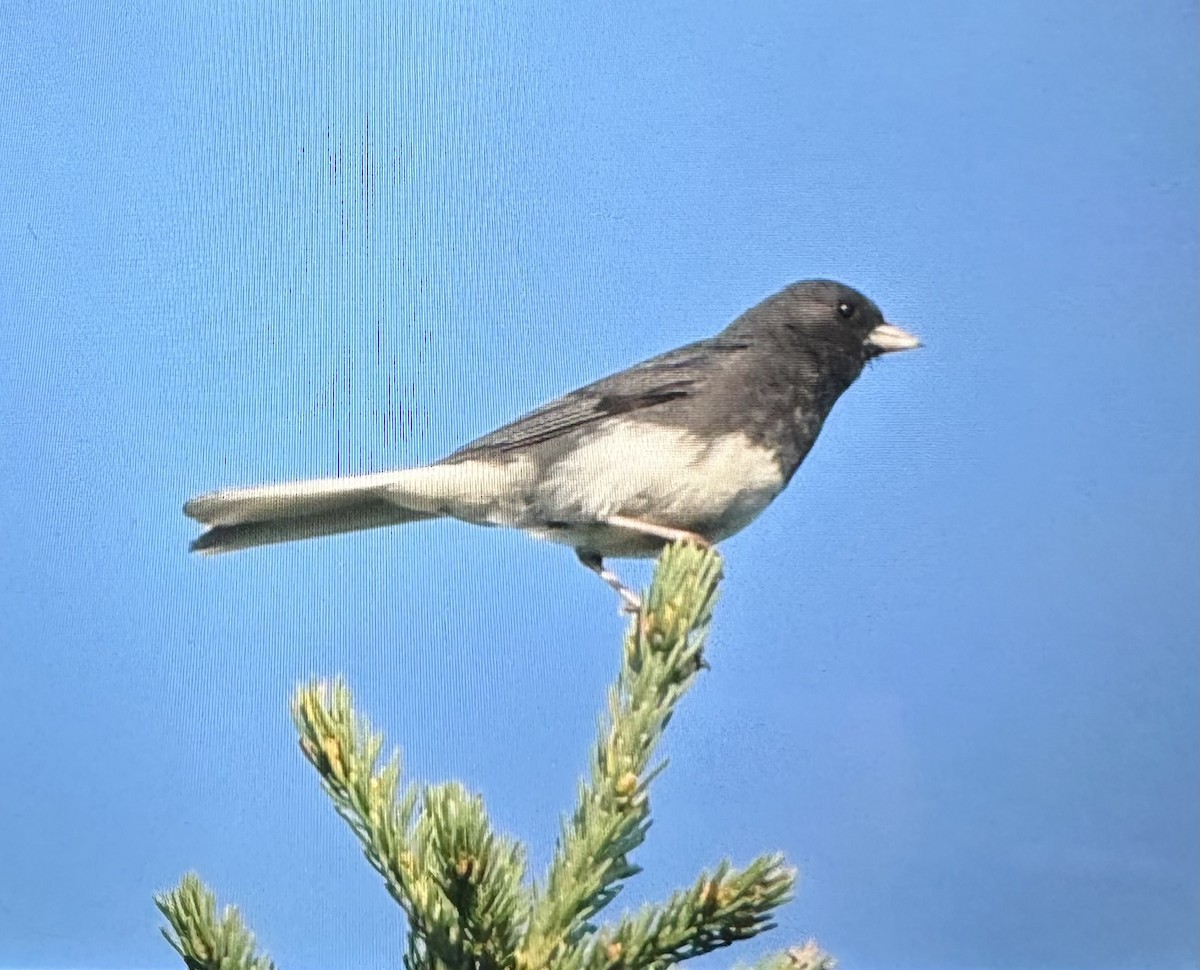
(204, 940)
(480, 873)
(718, 910)
(807, 957)
(345, 752)
(663, 652)
(463, 887)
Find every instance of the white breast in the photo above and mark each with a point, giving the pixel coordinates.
(666, 476)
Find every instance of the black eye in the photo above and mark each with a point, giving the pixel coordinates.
(846, 310)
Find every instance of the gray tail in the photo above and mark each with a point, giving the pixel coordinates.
(247, 535)
(249, 517)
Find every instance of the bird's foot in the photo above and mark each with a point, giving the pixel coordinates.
(631, 602)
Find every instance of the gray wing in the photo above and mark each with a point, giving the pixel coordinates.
(669, 377)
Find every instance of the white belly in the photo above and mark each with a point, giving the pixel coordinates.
(659, 475)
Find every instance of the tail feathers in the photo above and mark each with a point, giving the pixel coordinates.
(264, 503)
(242, 518)
(474, 491)
(246, 535)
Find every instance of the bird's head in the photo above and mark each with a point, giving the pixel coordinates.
(838, 317)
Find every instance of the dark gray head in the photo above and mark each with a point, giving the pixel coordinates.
(827, 319)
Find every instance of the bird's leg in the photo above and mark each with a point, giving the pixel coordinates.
(658, 531)
(630, 601)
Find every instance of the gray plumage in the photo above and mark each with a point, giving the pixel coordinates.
(695, 441)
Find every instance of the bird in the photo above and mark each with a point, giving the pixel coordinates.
(690, 445)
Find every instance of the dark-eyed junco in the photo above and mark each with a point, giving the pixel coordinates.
(694, 443)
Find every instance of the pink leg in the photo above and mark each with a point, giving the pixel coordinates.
(630, 601)
(658, 531)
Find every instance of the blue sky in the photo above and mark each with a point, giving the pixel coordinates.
(954, 666)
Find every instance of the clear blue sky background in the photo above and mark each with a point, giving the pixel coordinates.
(954, 668)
